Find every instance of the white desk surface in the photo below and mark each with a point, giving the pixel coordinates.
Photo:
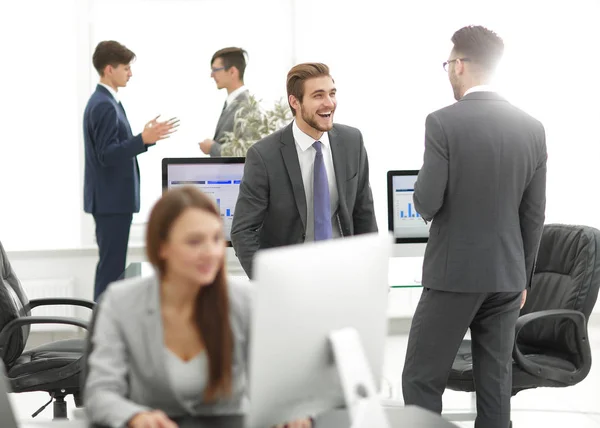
(402, 271)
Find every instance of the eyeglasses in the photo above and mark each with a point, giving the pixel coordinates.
(447, 63)
(214, 70)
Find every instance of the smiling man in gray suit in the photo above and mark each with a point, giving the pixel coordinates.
(483, 184)
(306, 182)
(227, 69)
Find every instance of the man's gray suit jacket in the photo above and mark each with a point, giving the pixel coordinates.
(226, 122)
(271, 206)
(483, 183)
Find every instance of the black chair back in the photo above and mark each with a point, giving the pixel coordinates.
(13, 304)
(567, 276)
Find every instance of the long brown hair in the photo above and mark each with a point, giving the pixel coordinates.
(212, 302)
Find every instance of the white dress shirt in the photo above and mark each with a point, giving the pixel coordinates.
(231, 97)
(112, 91)
(479, 88)
(306, 156)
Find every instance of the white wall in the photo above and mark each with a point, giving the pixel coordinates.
(40, 206)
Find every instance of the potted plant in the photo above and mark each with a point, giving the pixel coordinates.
(252, 123)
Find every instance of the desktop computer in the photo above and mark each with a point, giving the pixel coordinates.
(219, 178)
(406, 225)
(319, 327)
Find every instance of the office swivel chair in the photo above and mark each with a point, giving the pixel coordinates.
(54, 367)
(551, 345)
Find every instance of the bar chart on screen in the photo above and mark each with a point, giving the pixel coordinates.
(404, 208)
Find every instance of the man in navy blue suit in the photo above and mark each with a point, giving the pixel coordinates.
(111, 190)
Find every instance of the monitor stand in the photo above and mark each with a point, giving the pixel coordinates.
(360, 394)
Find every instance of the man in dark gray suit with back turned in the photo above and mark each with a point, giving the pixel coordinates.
(483, 184)
(306, 182)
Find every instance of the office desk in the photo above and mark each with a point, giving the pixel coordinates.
(410, 416)
(404, 272)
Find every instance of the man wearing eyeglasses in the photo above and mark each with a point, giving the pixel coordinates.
(227, 69)
(483, 186)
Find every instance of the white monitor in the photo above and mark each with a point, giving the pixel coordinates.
(302, 293)
(219, 178)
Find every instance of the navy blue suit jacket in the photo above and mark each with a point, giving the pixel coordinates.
(112, 175)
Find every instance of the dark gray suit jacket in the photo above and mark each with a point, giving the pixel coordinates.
(483, 182)
(271, 206)
(226, 122)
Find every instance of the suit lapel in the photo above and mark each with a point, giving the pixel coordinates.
(153, 329)
(228, 112)
(292, 164)
(339, 164)
(220, 122)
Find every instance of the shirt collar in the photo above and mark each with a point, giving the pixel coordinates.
(111, 90)
(231, 97)
(479, 88)
(305, 141)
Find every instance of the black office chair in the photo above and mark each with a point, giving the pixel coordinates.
(551, 344)
(54, 367)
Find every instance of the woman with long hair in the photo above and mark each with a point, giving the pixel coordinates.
(175, 344)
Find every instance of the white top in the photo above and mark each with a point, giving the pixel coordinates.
(479, 88)
(306, 156)
(231, 97)
(188, 378)
(111, 90)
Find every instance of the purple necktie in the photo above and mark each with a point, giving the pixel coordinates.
(321, 206)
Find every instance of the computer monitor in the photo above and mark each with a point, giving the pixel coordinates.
(219, 178)
(302, 293)
(405, 223)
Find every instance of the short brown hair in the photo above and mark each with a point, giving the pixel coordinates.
(301, 73)
(212, 302)
(483, 47)
(111, 53)
(232, 57)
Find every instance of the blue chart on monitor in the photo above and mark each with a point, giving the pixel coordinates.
(406, 215)
(409, 212)
(408, 223)
(220, 182)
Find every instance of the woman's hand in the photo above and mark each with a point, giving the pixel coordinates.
(153, 419)
(298, 423)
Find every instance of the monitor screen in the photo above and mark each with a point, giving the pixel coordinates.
(219, 178)
(404, 221)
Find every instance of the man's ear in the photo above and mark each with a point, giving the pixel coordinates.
(293, 101)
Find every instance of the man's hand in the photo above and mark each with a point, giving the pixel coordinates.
(523, 298)
(206, 145)
(155, 131)
(153, 419)
(298, 423)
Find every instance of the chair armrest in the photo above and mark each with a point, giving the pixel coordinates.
(21, 321)
(61, 301)
(583, 345)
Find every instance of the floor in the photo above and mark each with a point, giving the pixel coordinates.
(576, 406)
